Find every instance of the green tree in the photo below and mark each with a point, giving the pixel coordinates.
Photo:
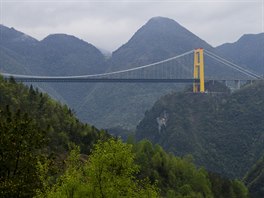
(67, 185)
(175, 177)
(21, 141)
(109, 172)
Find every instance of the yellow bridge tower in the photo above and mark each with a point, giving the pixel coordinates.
(198, 72)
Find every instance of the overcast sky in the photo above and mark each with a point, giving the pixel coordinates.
(109, 24)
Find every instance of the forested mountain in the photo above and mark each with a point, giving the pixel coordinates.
(247, 51)
(224, 132)
(58, 120)
(33, 127)
(37, 134)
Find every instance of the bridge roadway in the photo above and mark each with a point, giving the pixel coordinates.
(119, 80)
(102, 80)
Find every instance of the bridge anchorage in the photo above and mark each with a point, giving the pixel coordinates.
(177, 69)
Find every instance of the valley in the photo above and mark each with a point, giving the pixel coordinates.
(173, 142)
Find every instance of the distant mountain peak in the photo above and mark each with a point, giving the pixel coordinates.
(61, 37)
(162, 29)
(251, 36)
(66, 41)
(13, 35)
(157, 39)
(163, 23)
(161, 19)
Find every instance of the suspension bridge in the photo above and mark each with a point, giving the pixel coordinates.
(178, 69)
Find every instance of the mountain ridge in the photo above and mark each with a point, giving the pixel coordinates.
(158, 39)
(247, 51)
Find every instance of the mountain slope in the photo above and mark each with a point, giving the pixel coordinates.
(55, 55)
(124, 105)
(36, 131)
(17, 41)
(65, 55)
(221, 131)
(15, 46)
(247, 51)
(71, 56)
(158, 39)
(57, 119)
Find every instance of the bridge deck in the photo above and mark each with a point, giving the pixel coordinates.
(104, 80)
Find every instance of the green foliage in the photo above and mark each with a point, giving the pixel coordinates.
(21, 143)
(223, 187)
(109, 172)
(68, 184)
(35, 132)
(176, 177)
(58, 120)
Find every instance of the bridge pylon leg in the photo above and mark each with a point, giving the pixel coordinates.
(198, 70)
